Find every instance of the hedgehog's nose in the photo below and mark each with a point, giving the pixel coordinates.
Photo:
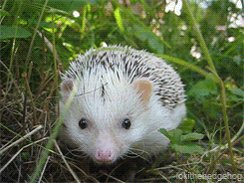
(104, 156)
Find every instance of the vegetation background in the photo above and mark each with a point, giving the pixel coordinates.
(202, 39)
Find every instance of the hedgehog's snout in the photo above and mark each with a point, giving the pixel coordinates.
(104, 155)
(106, 149)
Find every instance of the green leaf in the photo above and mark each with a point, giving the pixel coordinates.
(118, 19)
(191, 137)
(4, 13)
(164, 132)
(173, 135)
(212, 108)
(140, 33)
(187, 148)
(203, 88)
(155, 44)
(8, 32)
(146, 35)
(187, 125)
(237, 91)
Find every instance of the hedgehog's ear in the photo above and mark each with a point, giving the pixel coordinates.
(144, 87)
(66, 88)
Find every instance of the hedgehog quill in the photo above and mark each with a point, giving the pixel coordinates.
(123, 97)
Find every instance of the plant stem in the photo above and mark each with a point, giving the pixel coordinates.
(45, 152)
(3, 7)
(203, 45)
(187, 64)
(58, 124)
(199, 35)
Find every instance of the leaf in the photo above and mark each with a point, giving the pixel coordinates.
(164, 132)
(155, 44)
(191, 137)
(212, 108)
(203, 88)
(8, 32)
(146, 35)
(187, 148)
(140, 33)
(4, 13)
(118, 19)
(237, 91)
(173, 135)
(187, 125)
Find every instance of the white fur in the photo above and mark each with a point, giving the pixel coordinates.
(105, 114)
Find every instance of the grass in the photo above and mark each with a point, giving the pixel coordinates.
(215, 73)
(29, 70)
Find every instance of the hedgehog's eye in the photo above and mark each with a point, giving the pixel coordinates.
(83, 123)
(126, 123)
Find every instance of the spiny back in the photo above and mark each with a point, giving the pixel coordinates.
(131, 64)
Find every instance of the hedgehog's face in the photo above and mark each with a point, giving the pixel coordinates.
(103, 123)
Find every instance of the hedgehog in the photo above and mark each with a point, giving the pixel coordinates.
(122, 98)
